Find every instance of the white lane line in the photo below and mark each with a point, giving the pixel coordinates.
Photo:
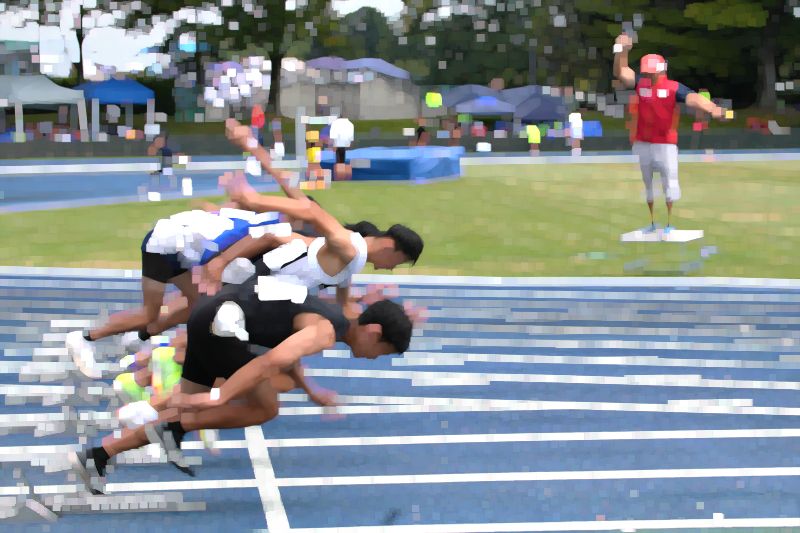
(422, 378)
(268, 491)
(459, 359)
(25, 453)
(610, 525)
(460, 405)
(568, 475)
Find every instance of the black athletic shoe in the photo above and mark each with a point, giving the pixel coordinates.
(169, 436)
(90, 469)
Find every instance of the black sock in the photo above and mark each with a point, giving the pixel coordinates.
(88, 337)
(100, 457)
(143, 335)
(177, 430)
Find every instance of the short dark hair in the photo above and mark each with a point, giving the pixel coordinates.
(395, 324)
(364, 228)
(406, 240)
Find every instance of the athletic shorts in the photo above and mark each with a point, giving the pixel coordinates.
(661, 158)
(340, 155)
(209, 356)
(159, 267)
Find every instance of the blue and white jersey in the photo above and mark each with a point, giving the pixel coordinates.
(195, 237)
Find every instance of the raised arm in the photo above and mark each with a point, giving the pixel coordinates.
(697, 101)
(622, 71)
(242, 137)
(337, 237)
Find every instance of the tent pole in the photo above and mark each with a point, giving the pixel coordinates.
(95, 119)
(82, 122)
(19, 124)
(151, 111)
(129, 115)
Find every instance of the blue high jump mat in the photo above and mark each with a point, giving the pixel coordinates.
(418, 164)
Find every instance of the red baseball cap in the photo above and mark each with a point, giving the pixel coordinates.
(652, 64)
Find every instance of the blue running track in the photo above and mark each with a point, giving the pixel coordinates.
(522, 405)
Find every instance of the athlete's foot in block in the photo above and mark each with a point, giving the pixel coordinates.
(90, 470)
(83, 354)
(137, 414)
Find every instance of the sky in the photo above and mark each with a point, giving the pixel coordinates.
(390, 8)
(105, 44)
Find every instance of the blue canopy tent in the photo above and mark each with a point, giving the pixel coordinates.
(464, 93)
(541, 108)
(517, 95)
(124, 92)
(485, 106)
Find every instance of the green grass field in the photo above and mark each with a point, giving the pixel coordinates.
(538, 220)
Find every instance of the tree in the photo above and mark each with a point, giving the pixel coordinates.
(761, 21)
(276, 27)
(362, 33)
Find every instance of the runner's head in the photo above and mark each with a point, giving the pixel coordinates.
(383, 328)
(394, 247)
(364, 228)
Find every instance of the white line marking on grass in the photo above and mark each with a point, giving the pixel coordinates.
(450, 281)
(275, 513)
(610, 525)
(568, 475)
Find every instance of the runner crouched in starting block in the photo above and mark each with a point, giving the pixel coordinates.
(155, 374)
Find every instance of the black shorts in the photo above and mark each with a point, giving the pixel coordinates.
(160, 267)
(208, 356)
(340, 155)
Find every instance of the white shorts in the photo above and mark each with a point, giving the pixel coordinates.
(661, 158)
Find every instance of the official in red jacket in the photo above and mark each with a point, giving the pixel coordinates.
(655, 120)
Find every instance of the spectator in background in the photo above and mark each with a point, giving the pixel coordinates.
(161, 147)
(455, 135)
(278, 148)
(700, 123)
(342, 134)
(575, 132)
(534, 138)
(257, 122)
(422, 136)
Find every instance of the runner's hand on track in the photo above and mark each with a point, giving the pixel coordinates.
(325, 398)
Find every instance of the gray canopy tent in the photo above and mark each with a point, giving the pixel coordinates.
(19, 91)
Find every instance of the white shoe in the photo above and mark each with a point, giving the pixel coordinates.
(82, 353)
(137, 414)
(131, 342)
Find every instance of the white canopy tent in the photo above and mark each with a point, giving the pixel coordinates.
(19, 91)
